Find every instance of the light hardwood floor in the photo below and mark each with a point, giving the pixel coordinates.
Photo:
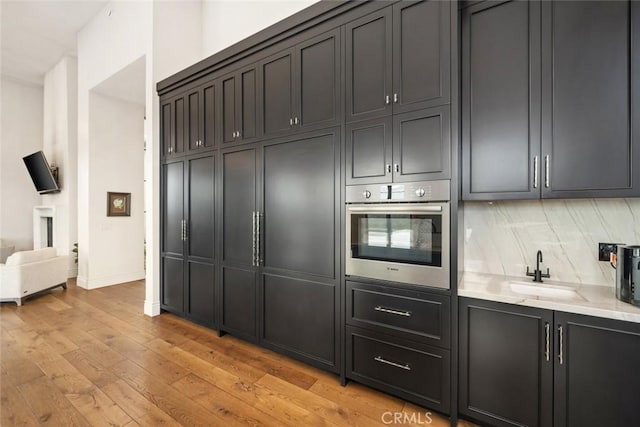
(79, 357)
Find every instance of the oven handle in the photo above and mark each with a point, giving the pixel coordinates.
(404, 208)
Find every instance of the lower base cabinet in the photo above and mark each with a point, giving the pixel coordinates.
(523, 366)
(398, 341)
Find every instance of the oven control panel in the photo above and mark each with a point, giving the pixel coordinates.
(422, 191)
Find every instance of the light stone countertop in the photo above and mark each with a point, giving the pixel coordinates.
(592, 300)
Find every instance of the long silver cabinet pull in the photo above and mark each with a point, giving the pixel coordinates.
(291, 121)
(387, 100)
(295, 120)
(547, 341)
(561, 352)
(381, 359)
(259, 255)
(395, 97)
(535, 172)
(392, 311)
(546, 171)
(253, 239)
(182, 237)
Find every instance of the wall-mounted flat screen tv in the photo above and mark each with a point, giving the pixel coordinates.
(42, 175)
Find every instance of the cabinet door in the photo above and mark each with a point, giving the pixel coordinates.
(179, 135)
(421, 54)
(506, 371)
(208, 114)
(173, 245)
(277, 94)
(422, 145)
(246, 105)
(597, 382)
(318, 81)
(228, 109)
(166, 127)
(369, 66)
(194, 123)
(369, 151)
(239, 291)
(201, 238)
(301, 246)
(591, 53)
(501, 121)
(173, 131)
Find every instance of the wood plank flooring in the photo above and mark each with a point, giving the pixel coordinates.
(91, 358)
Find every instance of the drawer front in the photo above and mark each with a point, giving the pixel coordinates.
(412, 371)
(408, 314)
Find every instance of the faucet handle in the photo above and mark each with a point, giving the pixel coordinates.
(529, 273)
(546, 274)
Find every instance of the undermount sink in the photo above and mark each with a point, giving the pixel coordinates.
(545, 291)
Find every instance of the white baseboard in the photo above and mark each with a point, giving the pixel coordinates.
(152, 308)
(113, 279)
(81, 281)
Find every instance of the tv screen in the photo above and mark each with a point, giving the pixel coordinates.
(40, 172)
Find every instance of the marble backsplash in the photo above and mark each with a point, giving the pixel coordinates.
(503, 237)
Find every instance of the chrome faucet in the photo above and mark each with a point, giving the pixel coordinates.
(537, 273)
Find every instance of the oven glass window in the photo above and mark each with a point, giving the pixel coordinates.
(405, 238)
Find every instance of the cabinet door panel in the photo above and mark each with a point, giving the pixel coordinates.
(247, 105)
(501, 121)
(193, 120)
(597, 384)
(201, 292)
(319, 75)
(369, 151)
(228, 109)
(166, 136)
(180, 131)
(421, 54)
(208, 125)
(589, 137)
(277, 94)
(308, 305)
(369, 70)
(173, 208)
(505, 378)
(239, 183)
(299, 204)
(239, 302)
(201, 208)
(172, 284)
(422, 145)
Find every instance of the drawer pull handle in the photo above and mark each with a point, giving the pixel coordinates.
(381, 359)
(390, 311)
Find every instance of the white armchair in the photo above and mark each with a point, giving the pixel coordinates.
(29, 272)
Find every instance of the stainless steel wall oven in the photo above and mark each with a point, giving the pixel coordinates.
(399, 232)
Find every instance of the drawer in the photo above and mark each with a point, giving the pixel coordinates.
(413, 315)
(412, 371)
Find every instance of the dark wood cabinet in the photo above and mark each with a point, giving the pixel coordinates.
(547, 92)
(188, 250)
(399, 341)
(595, 380)
(239, 107)
(590, 143)
(506, 366)
(414, 146)
(200, 117)
(172, 128)
(398, 60)
(528, 366)
(239, 292)
(301, 86)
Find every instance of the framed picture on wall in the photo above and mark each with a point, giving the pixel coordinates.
(118, 204)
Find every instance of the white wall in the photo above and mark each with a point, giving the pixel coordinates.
(21, 124)
(226, 22)
(116, 132)
(60, 144)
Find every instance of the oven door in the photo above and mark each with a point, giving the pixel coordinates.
(406, 243)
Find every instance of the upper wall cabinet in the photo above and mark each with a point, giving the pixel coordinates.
(547, 96)
(189, 121)
(398, 60)
(301, 86)
(238, 107)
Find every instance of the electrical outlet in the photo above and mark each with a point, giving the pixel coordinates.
(605, 250)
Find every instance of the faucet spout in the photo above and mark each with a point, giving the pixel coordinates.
(537, 273)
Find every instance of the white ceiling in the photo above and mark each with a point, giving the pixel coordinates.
(35, 35)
